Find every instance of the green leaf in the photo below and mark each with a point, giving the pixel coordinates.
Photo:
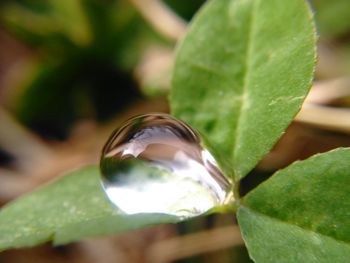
(302, 213)
(51, 21)
(67, 210)
(74, 23)
(242, 73)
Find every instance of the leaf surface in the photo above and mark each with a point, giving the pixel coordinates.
(67, 210)
(302, 213)
(242, 73)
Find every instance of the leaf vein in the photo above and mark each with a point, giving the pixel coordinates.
(248, 65)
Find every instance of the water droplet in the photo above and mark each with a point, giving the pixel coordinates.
(156, 164)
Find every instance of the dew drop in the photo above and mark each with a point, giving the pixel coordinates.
(155, 163)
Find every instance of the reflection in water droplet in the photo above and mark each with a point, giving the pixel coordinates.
(156, 164)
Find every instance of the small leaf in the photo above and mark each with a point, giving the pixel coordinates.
(69, 209)
(302, 213)
(242, 73)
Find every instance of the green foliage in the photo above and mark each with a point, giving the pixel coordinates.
(67, 210)
(86, 51)
(301, 214)
(242, 73)
(269, 240)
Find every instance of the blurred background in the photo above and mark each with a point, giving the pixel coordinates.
(72, 70)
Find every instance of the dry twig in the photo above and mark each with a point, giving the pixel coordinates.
(163, 20)
(194, 244)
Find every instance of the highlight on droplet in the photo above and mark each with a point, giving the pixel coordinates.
(155, 163)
